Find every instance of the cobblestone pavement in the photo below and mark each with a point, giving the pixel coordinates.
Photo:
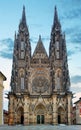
(41, 127)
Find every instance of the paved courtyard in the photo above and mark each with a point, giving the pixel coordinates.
(41, 127)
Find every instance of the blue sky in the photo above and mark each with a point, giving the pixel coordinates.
(39, 16)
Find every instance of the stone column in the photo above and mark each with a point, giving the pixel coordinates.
(26, 110)
(69, 108)
(55, 122)
(33, 116)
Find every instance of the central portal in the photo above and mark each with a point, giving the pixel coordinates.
(40, 119)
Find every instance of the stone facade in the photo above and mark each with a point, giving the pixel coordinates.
(40, 83)
(2, 78)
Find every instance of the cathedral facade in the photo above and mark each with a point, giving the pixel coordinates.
(40, 85)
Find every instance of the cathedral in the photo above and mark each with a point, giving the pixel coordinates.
(40, 84)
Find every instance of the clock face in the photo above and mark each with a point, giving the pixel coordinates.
(40, 84)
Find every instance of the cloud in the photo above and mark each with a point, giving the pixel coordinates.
(46, 38)
(74, 50)
(34, 40)
(76, 87)
(76, 79)
(73, 34)
(36, 25)
(6, 49)
(70, 53)
(76, 38)
(72, 14)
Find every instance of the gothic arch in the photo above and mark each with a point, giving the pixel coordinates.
(61, 115)
(40, 109)
(20, 115)
(21, 72)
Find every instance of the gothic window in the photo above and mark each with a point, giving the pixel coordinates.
(57, 45)
(22, 83)
(57, 50)
(58, 79)
(22, 54)
(57, 54)
(22, 45)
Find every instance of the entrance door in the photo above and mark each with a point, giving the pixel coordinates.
(22, 119)
(40, 119)
(59, 120)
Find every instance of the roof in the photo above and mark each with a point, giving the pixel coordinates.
(40, 48)
(78, 101)
(2, 75)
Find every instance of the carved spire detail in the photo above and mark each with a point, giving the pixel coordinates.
(23, 20)
(56, 23)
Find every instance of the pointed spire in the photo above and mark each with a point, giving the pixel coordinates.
(55, 16)
(39, 39)
(23, 20)
(56, 20)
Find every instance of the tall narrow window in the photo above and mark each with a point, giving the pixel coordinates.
(22, 83)
(22, 54)
(22, 50)
(57, 50)
(57, 45)
(22, 45)
(57, 54)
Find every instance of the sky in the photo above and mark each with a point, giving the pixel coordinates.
(39, 17)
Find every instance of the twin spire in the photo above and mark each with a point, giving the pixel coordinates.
(23, 19)
(55, 23)
(55, 16)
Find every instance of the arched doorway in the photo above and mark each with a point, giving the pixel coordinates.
(40, 114)
(40, 119)
(61, 116)
(20, 116)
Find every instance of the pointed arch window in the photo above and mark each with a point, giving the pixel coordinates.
(22, 82)
(22, 46)
(57, 45)
(22, 54)
(57, 50)
(57, 54)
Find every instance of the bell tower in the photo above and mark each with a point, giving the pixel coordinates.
(21, 57)
(58, 57)
(62, 97)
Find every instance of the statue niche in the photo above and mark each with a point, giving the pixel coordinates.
(58, 79)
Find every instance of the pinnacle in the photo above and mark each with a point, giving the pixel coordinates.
(40, 38)
(56, 22)
(23, 15)
(56, 16)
